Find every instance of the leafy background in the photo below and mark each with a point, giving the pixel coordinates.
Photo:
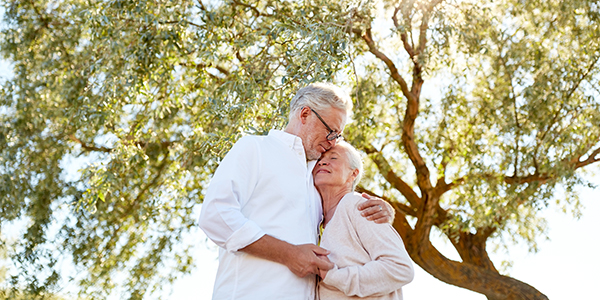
(148, 94)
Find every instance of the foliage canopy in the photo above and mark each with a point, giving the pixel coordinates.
(473, 115)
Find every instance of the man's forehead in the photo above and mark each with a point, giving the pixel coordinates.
(340, 120)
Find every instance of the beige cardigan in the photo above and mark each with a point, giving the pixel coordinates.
(370, 259)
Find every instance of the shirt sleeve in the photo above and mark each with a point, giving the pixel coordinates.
(390, 267)
(221, 217)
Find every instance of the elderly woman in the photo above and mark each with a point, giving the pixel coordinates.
(370, 259)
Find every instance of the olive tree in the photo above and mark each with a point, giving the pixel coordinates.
(514, 115)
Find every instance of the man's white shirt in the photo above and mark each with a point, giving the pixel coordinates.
(263, 186)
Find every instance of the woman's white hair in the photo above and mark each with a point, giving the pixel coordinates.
(354, 160)
(321, 96)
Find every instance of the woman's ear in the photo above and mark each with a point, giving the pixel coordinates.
(353, 175)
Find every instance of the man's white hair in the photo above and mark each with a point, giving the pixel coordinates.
(354, 160)
(321, 96)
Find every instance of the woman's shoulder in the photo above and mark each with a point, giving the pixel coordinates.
(351, 201)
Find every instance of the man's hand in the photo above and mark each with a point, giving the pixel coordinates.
(377, 210)
(302, 260)
(308, 259)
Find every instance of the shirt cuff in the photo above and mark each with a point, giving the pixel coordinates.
(331, 276)
(336, 278)
(248, 234)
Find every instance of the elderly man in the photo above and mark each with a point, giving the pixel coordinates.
(263, 210)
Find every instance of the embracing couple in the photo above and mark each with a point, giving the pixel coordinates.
(274, 198)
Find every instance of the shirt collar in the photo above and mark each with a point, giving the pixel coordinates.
(295, 143)
(292, 141)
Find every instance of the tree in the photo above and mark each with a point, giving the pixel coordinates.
(152, 94)
(517, 118)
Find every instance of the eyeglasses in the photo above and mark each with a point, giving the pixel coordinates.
(332, 135)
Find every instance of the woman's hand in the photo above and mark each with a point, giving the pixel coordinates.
(322, 274)
(377, 210)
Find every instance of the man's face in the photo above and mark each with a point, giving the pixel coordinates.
(315, 137)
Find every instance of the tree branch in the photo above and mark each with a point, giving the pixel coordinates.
(535, 177)
(199, 66)
(88, 147)
(184, 21)
(133, 206)
(391, 177)
(418, 68)
(425, 25)
(441, 187)
(411, 211)
(201, 5)
(257, 13)
(544, 177)
(411, 113)
(569, 94)
(472, 247)
(368, 38)
(403, 36)
(156, 178)
(590, 160)
(429, 204)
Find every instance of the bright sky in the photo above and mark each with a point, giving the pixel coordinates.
(566, 267)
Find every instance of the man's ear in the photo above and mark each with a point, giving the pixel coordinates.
(304, 113)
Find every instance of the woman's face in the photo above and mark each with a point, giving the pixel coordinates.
(333, 169)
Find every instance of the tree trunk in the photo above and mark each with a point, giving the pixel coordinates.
(469, 276)
(472, 249)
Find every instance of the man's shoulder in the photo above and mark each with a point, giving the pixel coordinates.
(250, 140)
(257, 138)
(249, 144)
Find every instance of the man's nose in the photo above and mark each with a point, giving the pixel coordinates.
(332, 143)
